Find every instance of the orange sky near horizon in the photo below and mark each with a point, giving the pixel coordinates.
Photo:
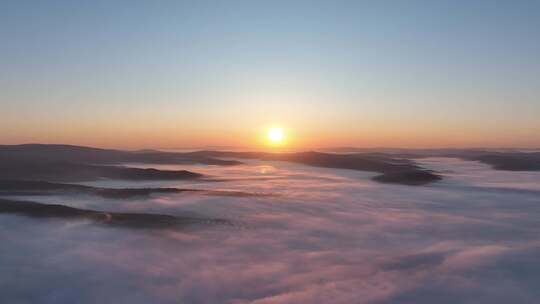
(297, 137)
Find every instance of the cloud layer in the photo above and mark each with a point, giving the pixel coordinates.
(329, 236)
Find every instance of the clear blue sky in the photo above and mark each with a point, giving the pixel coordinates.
(357, 73)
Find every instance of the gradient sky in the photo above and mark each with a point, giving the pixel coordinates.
(167, 74)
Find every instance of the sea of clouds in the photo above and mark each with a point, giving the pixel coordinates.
(324, 236)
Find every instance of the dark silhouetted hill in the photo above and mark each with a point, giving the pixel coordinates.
(127, 220)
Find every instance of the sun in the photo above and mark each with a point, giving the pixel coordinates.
(275, 135)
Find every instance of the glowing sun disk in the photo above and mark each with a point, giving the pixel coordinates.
(275, 135)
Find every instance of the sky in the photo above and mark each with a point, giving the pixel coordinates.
(173, 74)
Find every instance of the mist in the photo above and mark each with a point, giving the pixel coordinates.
(317, 236)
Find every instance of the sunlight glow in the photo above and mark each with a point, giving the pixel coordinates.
(275, 135)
